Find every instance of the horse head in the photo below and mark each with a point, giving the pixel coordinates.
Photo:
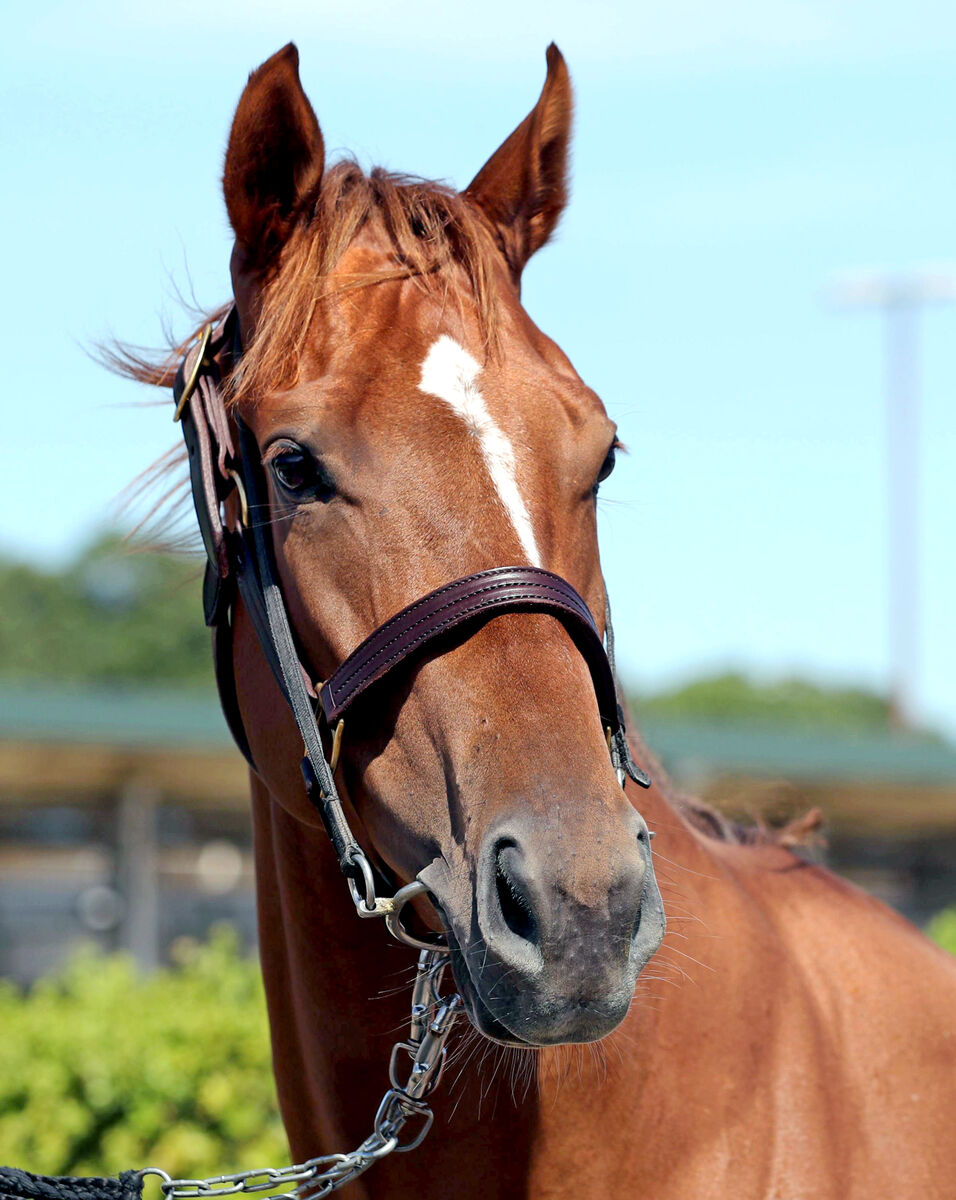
(414, 426)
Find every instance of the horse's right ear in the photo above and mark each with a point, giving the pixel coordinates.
(275, 158)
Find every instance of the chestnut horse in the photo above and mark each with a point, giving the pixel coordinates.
(792, 1037)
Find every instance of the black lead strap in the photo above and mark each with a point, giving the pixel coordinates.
(24, 1185)
(620, 749)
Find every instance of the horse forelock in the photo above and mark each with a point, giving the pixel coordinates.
(429, 229)
(426, 229)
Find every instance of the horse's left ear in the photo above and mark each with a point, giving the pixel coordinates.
(523, 187)
(275, 158)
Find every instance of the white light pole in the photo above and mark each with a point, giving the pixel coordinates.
(901, 299)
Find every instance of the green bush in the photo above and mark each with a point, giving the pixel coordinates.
(102, 1069)
(790, 703)
(112, 617)
(942, 929)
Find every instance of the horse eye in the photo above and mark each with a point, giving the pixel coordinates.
(607, 466)
(294, 469)
(298, 472)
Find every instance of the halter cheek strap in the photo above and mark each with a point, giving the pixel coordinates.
(241, 561)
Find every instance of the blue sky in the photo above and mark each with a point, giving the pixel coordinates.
(730, 160)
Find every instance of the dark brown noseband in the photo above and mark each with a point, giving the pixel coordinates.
(241, 562)
(465, 602)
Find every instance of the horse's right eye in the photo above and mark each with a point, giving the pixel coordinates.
(300, 474)
(294, 469)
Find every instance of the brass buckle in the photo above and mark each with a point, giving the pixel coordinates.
(336, 745)
(241, 491)
(190, 386)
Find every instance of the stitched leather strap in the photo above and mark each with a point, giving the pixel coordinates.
(205, 429)
(469, 601)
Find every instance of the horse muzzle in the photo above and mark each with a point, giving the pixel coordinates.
(557, 933)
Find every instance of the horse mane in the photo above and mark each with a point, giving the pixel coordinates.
(802, 831)
(430, 229)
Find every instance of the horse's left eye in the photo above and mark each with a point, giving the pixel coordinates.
(607, 466)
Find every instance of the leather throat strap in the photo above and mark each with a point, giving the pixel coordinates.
(240, 561)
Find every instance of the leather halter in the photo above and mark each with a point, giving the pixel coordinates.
(240, 561)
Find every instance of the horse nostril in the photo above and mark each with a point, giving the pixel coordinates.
(636, 926)
(513, 899)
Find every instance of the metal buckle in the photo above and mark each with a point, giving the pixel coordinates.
(190, 385)
(393, 918)
(241, 489)
(367, 905)
(397, 1109)
(425, 1076)
(336, 744)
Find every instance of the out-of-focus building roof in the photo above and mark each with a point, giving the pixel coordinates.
(56, 739)
(59, 742)
(136, 717)
(124, 814)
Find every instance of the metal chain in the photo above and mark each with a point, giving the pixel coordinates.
(432, 1017)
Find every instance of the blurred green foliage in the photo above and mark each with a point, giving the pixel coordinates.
(118, 615)
(115, 615)
(788, 702)
(942, 929)
(102, 1069)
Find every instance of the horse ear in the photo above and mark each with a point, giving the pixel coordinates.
(275, 158)
(523, 187)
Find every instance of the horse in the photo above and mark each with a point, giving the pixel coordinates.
(788, 1036)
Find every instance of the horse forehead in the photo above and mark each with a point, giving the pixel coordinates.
(388, 383)
(392, 351)
(517, 392)
(387, 330)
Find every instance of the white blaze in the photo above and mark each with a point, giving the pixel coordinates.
(450, 373)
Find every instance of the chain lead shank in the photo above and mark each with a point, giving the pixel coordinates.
(404, 1104)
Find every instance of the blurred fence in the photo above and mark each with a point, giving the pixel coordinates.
(124, 815)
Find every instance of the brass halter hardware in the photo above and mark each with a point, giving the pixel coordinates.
(336, 745)
(202, 344)
(241, 489)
